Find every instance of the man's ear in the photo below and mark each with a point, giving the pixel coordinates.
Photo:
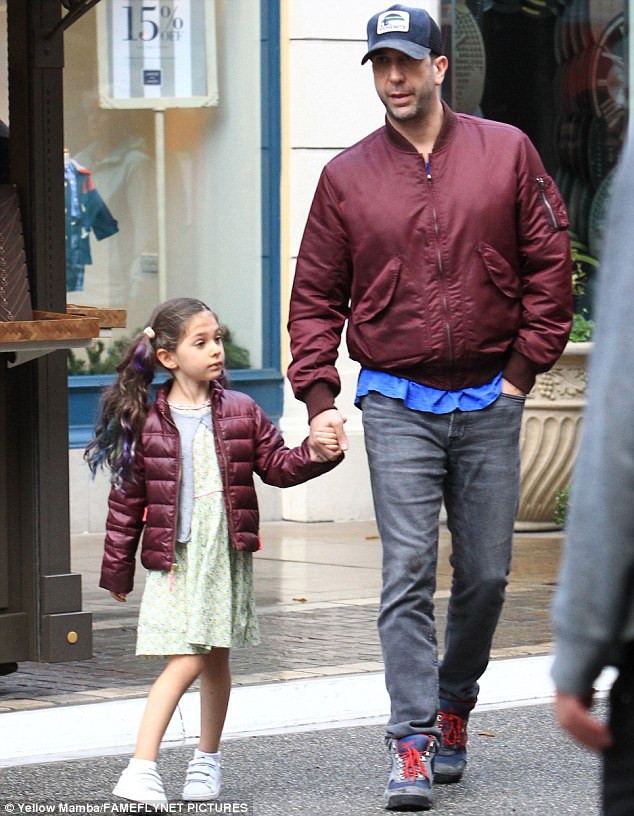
(166, 358)
(440, 65)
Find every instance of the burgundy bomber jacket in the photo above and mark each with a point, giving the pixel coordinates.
(246, 441)
(447, 274)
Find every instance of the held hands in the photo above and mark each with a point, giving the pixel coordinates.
(573, 715)
(327, 439)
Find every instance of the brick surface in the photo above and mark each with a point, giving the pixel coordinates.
(312, 639)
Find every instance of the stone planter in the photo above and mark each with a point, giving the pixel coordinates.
(550, 435)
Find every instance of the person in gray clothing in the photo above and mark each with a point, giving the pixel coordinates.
(593, 612)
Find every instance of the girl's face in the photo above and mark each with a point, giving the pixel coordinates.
(199, 356)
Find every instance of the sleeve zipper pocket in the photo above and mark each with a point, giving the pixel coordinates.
(547, 205)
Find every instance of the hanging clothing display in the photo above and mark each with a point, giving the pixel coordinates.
(85, 210)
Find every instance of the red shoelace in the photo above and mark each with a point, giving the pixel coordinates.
(454, 730)
(413, 764)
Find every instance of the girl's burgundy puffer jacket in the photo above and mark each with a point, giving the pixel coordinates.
(246, 442)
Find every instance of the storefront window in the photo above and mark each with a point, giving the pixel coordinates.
(166, 202)
(557, 69)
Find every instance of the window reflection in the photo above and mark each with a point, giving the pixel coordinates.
(211, 160)
(116, 162)
(557, 69)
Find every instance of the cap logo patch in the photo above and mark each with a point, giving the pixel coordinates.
(392, 21)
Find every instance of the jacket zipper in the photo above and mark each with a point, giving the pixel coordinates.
(440, 265)
(173, 568)
(549, 209)
(225, 475)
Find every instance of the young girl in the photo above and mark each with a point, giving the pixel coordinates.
(182, 472)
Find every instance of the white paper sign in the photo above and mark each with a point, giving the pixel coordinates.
(157, 53)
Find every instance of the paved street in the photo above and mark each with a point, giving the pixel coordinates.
(518, 764)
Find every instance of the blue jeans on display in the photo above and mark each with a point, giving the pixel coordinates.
(417, 459)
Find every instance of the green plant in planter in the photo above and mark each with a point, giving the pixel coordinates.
(584, 268)
(235, 356)
(102, 360)
(561, 505)
(582, 327)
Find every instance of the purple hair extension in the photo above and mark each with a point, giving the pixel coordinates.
(124, 406)
(144, 361)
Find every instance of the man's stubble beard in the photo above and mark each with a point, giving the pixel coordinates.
(420, 111)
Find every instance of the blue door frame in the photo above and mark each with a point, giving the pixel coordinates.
(265, 385)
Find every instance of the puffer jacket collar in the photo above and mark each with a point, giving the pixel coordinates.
(162, 405)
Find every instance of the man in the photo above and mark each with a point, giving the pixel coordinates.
(443, 242)
(594, 605)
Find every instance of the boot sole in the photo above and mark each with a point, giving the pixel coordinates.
(447, 779)
(408, 801)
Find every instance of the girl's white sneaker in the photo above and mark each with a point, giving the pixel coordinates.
(140, 782)
(203, 778)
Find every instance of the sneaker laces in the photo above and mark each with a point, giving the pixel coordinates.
(454, 730)
(411, 764)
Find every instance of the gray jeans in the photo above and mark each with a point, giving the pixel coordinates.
(471, 459)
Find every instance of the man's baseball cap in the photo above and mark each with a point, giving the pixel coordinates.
(406, 29)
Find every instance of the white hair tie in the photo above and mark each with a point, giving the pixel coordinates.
(148, 331)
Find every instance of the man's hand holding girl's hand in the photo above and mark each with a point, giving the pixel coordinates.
(327, 440)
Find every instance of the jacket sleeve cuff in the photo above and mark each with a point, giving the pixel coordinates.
(318, 397)
(520, 371)
(576, 666)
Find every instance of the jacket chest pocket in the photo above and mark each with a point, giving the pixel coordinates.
(495, 287)
(500, 272)
(387, 325)
(378, 296)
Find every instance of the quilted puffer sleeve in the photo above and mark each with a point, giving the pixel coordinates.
(279, 465)
(126, 507)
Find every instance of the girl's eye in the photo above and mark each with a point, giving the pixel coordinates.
(219, 339)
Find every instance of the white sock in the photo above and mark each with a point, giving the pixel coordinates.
(142, 764)
(198, 754)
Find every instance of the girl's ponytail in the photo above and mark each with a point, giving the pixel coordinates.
(124, 406)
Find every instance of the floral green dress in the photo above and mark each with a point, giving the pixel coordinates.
(207, 600)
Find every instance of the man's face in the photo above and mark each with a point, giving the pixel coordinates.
(406, 86)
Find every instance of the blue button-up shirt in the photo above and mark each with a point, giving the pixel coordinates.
(423, 398)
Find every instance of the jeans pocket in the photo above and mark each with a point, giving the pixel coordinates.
(519, 398)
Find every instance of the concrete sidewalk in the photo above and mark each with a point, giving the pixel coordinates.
(317, 588)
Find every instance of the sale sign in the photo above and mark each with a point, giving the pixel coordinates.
(157, 53)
